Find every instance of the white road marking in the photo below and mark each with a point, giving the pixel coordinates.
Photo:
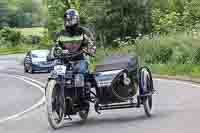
(33, 80)
(40, 102)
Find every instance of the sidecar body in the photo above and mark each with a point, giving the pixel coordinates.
(110, 71)
(119, 80)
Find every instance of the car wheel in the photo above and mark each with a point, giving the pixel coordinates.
(25, 69)
(30, 70)
(49, 70)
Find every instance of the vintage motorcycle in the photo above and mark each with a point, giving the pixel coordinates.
(117, 83)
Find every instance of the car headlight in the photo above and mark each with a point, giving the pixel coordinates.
(36, 63)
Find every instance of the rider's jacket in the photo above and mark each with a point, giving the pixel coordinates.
(76, 40)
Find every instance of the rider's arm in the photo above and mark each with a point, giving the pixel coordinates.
(89, 42)
(56, 43)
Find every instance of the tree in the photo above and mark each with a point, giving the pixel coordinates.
(4, 13)
(22, 13)
(175, 15)
(118, 18)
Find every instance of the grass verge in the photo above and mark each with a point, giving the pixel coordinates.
(37, 31)
(18, 49)
(189, 70)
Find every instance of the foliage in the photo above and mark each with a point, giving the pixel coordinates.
(197, 56)
(179, 48)
(165, 23)
(127, 41)
(112, 19)
(192, 70)
(32, 35)
(22, 13)
(9, 37)
(22, 48)
(175, 15)
(34, 31)
(116, 19)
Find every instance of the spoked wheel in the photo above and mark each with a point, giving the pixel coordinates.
(148, 105)
(55, 105)
(146, 89)
(84, 113)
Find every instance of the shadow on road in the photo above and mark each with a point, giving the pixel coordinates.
(110, 121)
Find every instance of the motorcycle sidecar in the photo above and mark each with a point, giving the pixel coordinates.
(119, 79)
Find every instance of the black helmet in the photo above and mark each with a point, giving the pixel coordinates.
(71, 18)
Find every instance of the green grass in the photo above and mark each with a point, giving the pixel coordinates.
(6, 51)
(38, 31)
(192, 70)
(158, 49)
(18, 49)
(22, 48)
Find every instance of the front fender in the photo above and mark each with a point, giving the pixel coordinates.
(53, 76)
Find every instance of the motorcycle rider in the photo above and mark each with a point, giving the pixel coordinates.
(75, 38)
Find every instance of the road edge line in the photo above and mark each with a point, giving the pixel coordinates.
(39, 103)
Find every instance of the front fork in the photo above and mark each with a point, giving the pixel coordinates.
(61, 95)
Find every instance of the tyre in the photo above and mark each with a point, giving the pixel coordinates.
(148, 105)
(25, 69)
(30, 70)
(49, 70)
(84, 113)
(55, 110)
(146, 88)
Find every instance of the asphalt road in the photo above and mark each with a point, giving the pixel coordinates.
(16, 96)
(176, 110)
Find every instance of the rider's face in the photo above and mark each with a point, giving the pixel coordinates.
(71, 20)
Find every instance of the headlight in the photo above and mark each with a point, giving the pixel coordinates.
(57, 51)
(35, 63)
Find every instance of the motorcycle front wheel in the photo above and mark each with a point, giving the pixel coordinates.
(55, 107)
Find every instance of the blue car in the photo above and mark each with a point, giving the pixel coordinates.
(36, 60)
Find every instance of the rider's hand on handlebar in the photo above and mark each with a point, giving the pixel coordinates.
(86, 52)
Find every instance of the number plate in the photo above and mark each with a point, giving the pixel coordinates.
(60, 69)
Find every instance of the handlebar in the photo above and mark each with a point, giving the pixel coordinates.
(65, 54)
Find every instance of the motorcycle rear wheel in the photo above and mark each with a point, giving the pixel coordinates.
(52, 108)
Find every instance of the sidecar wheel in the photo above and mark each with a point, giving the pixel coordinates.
(148, 106)
(146, 88)
(52, 107)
